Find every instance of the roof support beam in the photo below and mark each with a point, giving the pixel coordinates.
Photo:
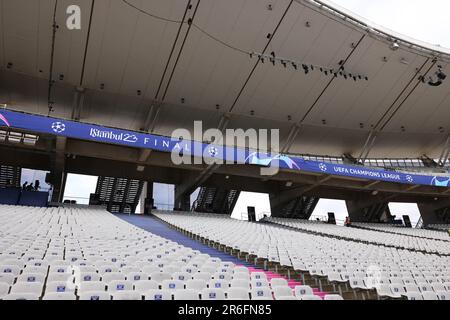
(151, 117)
(372, 184)
(412, 188)
(149, 126)
(266, 47)
(155, 108)
(368, 209)
(370, 142)
(445, 152)
(435, 212)
(58, 170)
(191, 183)
(296, 129)
(196, 182)
(393, 109)
(404, 95)
(428, 162)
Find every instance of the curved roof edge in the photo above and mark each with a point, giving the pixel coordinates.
(379, 32)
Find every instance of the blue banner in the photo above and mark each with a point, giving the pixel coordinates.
(84, 131)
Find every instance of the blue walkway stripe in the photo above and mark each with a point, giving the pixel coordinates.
(158, 228)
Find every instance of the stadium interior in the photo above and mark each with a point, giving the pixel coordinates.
(363, 117)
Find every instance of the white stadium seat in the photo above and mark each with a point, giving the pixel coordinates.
(59, 287)
(196, 284)
(95, 295)
(187, 294)
(302, 291)
(113, 260)
(89, 286)
(7, 278)
(126, 295)
(59, 296)
(172, 285)
(120, 285)
(414, 296)
(21, 296)
(219, 284)
(443, 295)
(261, 293)
(259, 283)
(280, 292)
(112, 276)
(240, 283)
(28, 287)
(213, 294)
(278, 282)
(145, 285)
(4, 289)
(310, 297)
(331, 297)
(160, 276)
(238, 294)
(158, 295)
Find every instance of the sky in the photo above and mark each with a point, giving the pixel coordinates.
(79, 188)
(426, 21)
(30, 176)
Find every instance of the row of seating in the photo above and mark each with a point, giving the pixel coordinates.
(376, 237)
(359, 265)
(155, 295)
(420, 233)
(74, 253)
(152, 290)
(441, 227)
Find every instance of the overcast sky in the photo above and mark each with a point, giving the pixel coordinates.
(424, 20)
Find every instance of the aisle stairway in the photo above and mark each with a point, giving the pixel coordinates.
(159, 228)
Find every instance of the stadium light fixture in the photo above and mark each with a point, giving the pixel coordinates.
(440, 77)
(394, 46)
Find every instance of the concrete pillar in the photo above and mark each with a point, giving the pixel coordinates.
(58, 174)
(292, 204)
(182, 199)
(368, 209)
(59, 185)
(147, 200)
(435, 211)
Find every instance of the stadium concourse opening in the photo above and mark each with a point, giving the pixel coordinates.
(220, 150)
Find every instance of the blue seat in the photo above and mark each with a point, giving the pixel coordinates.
(34, 199)
(9, 196)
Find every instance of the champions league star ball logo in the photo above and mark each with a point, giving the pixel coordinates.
(213, 152)
(323, 167)
(409, 179)
(58, 127)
